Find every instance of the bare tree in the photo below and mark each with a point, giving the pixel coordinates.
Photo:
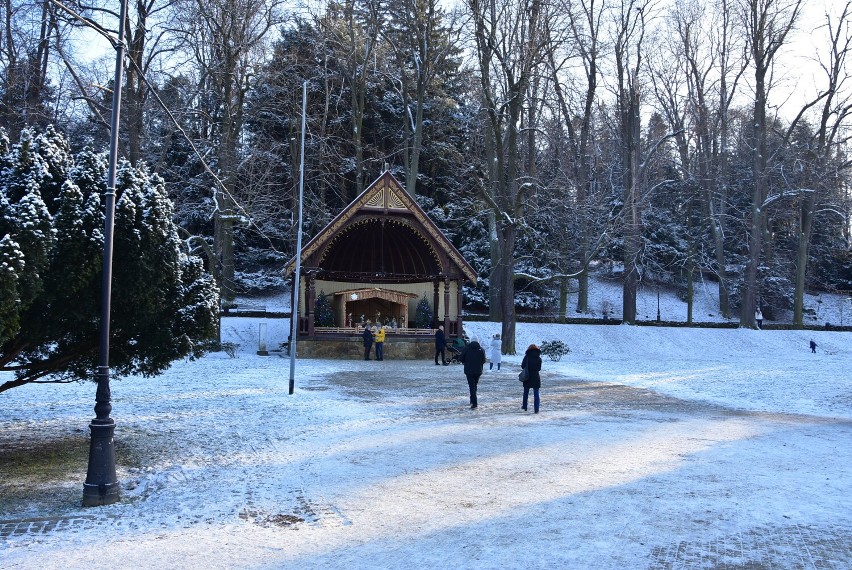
(149, 40)
(713, 129)
(358, 42)
(28, 30)
(628, 36)
(510, 45)
(833, 118)
(695, 80)
(227, 39)
(147, 43)
(767, 25)
(583, 20)
(422, 42)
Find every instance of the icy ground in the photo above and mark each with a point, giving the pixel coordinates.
(654, 448)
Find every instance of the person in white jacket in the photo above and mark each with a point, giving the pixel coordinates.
(496, 352)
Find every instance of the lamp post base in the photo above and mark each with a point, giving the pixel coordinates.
(101, 486)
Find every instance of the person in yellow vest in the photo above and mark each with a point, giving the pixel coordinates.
(380, 343)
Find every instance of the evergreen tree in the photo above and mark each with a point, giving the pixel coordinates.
(11, 264)
(25, 215)
(323, 313)
(423, 314)
(164, 306)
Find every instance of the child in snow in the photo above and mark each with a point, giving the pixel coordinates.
(496, 352)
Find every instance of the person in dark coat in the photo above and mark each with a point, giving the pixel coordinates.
(473, 358)
(367, 335)
(532, 362)
(813, 346)
(440, 345)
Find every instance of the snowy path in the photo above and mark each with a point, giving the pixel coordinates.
(382, 465)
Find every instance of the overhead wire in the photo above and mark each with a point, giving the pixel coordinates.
(218, 181)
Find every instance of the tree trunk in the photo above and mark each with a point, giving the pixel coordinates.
(583, 293)
(417, 142)
(690, 297)
(718, 222)
(358, 96)
(805, 227)
(768, 24)
(632, 208)
(507, 290)
(135, 88)
(755, 242)
(495, 311)
(224, 245)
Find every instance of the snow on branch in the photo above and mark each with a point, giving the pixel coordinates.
(770, 200)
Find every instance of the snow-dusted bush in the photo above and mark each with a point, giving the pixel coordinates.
(554, 349)
(230, 348)
(258, 282)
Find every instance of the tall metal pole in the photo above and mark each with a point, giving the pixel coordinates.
(101, 486)
(658, 303)
(297, 281)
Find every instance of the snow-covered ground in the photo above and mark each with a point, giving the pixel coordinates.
(605, 294)
(820, 308)
(654, 448)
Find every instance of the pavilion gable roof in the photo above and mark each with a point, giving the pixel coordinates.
(386, 196)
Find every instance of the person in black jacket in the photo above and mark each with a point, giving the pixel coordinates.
(440, 345)
(473, 358)
(532, 362)
(367, 335)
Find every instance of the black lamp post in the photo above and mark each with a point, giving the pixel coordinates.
(101, 486)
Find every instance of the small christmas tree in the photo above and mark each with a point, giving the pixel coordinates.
(323, 313)
(423, 314)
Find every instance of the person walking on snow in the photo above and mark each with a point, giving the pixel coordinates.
(440, 345)
(367, 336)
(496, 352)
(758, 317)
(532, 363)
(813, 346)
(473, 358)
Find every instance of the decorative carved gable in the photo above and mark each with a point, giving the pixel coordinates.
(394, 201)
(384, 197)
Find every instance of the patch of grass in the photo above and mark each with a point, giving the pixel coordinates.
(48, 472)
(38, 474)
(44, 461)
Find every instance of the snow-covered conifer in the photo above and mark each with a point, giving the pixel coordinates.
(164, 305)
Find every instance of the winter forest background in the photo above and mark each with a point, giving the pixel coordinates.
(658, 142)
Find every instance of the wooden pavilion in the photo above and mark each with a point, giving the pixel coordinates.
(374, 262)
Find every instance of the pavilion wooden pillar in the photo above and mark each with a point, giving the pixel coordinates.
(310, 303)
(435, 285)
(459, 284)
(446, 304)
(294, 310)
